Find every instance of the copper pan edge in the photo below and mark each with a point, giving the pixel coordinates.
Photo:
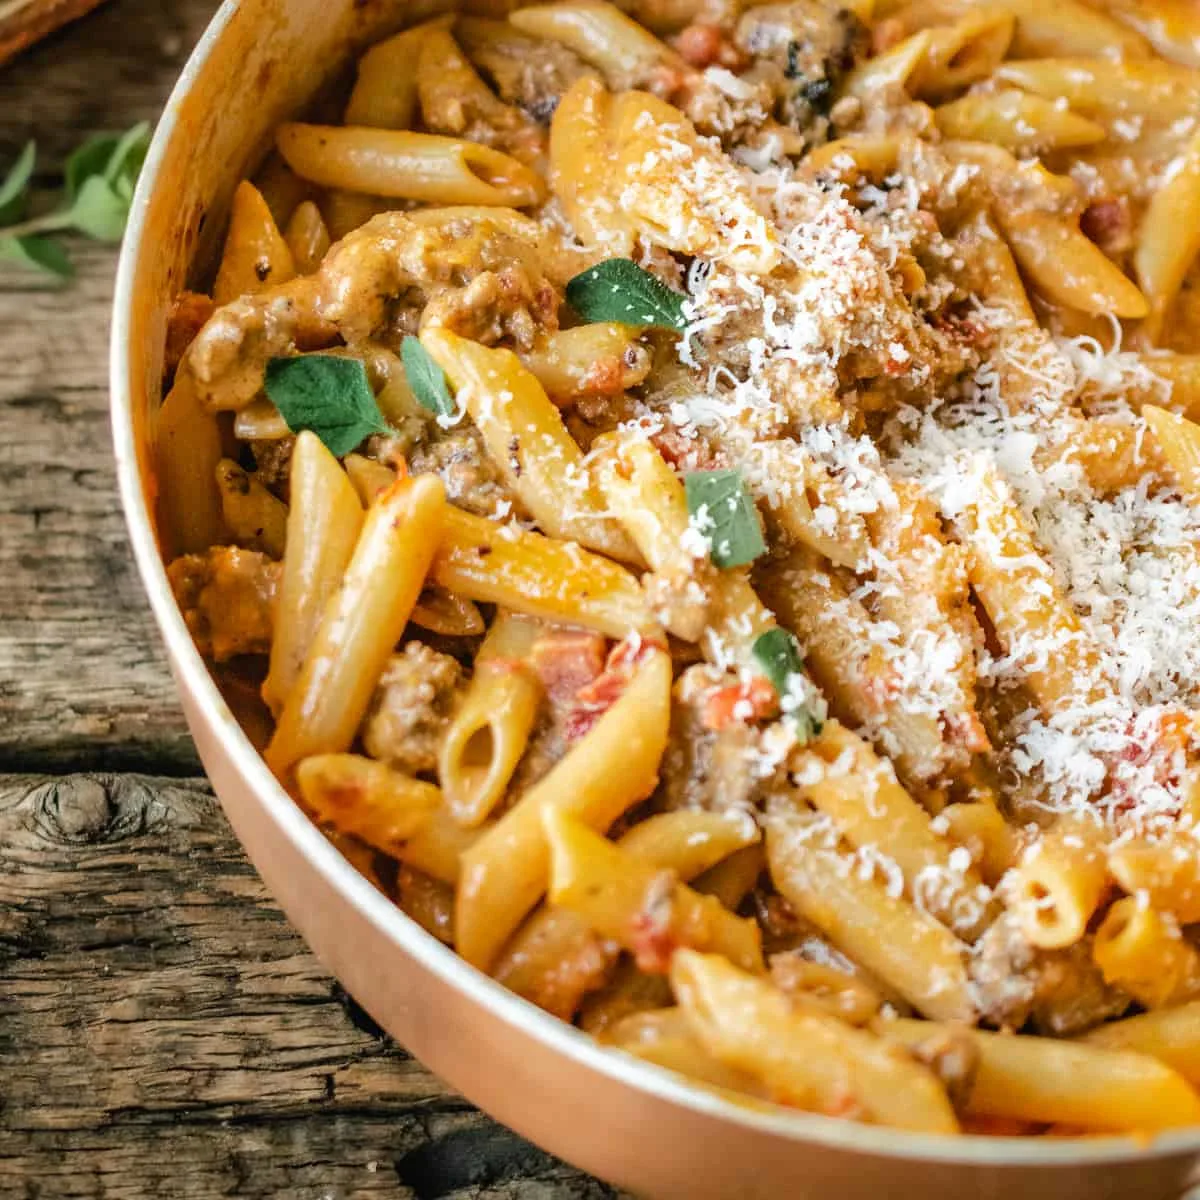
(628, 1123)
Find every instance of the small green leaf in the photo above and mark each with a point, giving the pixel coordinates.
(37, 252)
(426, 378)
(14, 191)
(619, 290)
(327, 394)
(778, 655)
(87, 161)
(125, 164)
(98, 211)
(722, 511)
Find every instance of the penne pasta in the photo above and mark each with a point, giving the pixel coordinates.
(408, 166)
(385, 92)
(538, 576)
(256, 255)
(506, 871)
(803, 1056)
(360, 624)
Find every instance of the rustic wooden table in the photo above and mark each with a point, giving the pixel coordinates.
(163, 1032)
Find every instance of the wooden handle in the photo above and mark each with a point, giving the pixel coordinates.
(23, 22)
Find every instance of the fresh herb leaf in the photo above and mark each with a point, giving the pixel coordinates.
(778, 655)
(619, 290)
(98, 211)
(14, 191)
(426, 378)
(38, 252)
(327, 394)
(721, 510)
(98, 185)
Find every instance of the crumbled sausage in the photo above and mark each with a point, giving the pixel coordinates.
(411, 708)
(228, 600)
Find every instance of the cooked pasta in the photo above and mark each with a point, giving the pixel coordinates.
(712, 494)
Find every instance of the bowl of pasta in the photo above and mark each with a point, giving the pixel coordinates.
(676, 532)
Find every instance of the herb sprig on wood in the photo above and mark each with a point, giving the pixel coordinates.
(97, 192)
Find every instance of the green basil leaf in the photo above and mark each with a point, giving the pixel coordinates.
(619, 290)
(327, 394)
(38, 252)
(98, 211)
(88, 160)
(722, 511)
(426, 378)
(128, 155)
(778, 655)
(14, 191)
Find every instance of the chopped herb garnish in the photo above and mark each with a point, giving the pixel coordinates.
(778, 654)
(426, 378)
(621, 291)
(722, 511)
(98, 183)
(327, 394)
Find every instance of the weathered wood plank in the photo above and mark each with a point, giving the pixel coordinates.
(82, 678)
(161, 1025)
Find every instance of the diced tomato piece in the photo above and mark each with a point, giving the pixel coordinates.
(567, 660)
(751, 701)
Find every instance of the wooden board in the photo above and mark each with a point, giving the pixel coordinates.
(163, 1032)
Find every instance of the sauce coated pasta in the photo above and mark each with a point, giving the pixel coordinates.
(701, 502)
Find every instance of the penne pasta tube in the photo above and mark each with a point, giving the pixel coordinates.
(1169, 239)
(1072, 1083)
(601, 359)
(528, 442)
(307, 238)
(868, 921)
(1068, 268)
(260, 421)
(256, 256)
(1171, 1035)
(1143, 952)
(324, 522)
(638, 905)
(361, 623)
(370, 479)
(187, 451)
(994, 845)
(963, 53)
(255, 518)
(366, 799)
(1022, 598)
(1166, 872)
(1172, 27)
(1018, 121)
(581, 167)
(1178, 443)
(385, 91)
(646, 496)
(663, 1037)
(506, 871)
(556, 957)
(437, 848)
(844, 778)
(801, 1055)
(489, 731)
(445, 613)
(1107, 90)
(601, 35)
(538, 576)
(408, 166)
(1058, 885)
(893, 68)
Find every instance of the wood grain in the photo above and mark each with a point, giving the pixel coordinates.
(23, 22)
(163, 1032)
(83, 681)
